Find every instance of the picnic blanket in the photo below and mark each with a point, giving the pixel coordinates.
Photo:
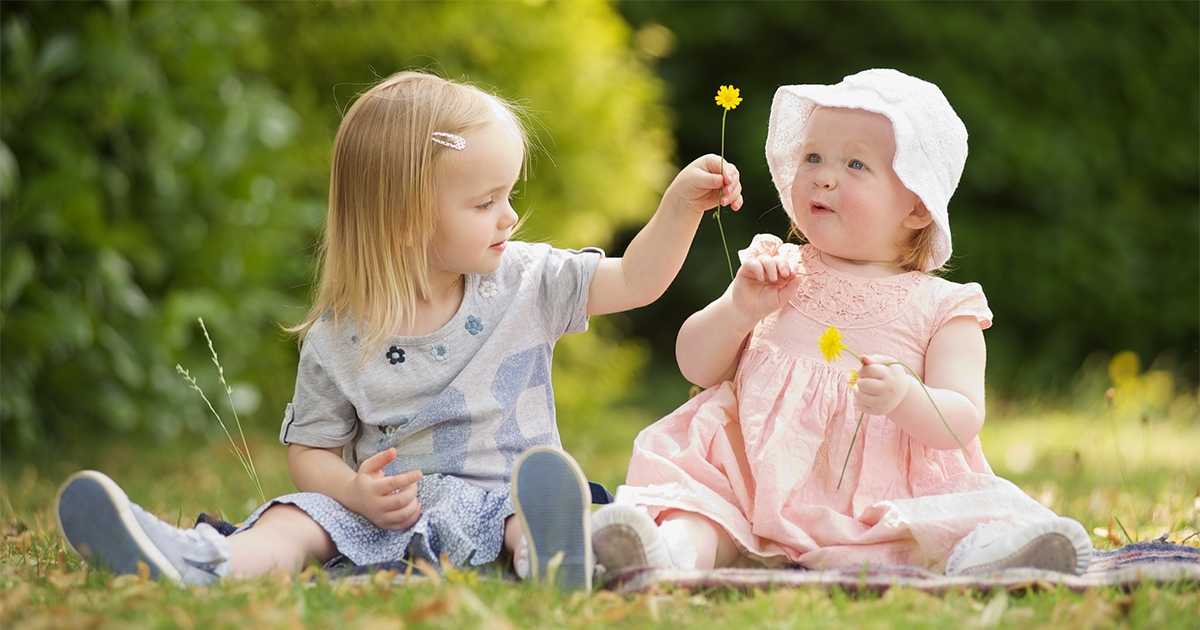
(1154, 562)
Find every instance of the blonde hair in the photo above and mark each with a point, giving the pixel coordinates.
(381, 196)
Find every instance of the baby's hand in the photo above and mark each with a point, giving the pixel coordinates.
(763, 285)
(389, 501)
(880, 387)
(700, 184)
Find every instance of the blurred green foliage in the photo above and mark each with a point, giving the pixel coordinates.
(142, 189)
(1079, 209)
(163, 162)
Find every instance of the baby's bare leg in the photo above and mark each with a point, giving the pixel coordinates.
(714, 547)
(282, 539)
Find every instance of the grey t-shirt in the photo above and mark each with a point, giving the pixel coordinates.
(465, 400)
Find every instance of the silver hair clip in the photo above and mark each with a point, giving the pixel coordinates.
(458, 143)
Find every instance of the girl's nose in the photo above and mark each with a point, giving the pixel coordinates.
(824, 178)
(509, 217)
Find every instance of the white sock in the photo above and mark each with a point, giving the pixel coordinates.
(678, 539)
(521, 559)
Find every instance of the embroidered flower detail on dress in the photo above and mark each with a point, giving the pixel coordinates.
(395, 355)
(441, 352)
(487, 289)
(474, 325)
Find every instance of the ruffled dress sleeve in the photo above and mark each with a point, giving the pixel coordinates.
(963, 300)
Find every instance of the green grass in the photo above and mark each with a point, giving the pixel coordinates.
(1095, 466)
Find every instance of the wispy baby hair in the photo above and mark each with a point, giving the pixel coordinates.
(375, 246)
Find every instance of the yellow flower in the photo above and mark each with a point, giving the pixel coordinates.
(853, 380)
(728, 97)
(831, 344)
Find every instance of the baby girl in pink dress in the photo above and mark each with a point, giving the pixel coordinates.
(755, 469)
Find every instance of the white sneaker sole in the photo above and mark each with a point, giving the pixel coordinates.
(627, 538)
(553, 503)
(95, 518)
(1059, 545)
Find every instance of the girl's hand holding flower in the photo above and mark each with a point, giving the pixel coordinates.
(882, 385)
(763, 285)
(700, 185)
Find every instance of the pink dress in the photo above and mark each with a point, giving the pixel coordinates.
(760, 455)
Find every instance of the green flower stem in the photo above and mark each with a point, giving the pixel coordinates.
(932, 402)
(717, 212)
(850, 450)
(854, 437)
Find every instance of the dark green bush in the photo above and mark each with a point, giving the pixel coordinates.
(1079, 210)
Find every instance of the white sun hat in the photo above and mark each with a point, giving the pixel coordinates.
(931, 140)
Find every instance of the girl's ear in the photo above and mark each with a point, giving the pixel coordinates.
(919, 217)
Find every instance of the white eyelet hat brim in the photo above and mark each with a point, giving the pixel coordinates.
(931, 140)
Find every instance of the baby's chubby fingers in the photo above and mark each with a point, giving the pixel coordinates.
(764, 268)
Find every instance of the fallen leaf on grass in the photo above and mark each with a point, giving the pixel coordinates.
(993, 611)
(19, 543)
(63, 580)
(14, 599)
(429, 571)
(383, 579)
(436, 607)
(1030, 585)
(379, 622)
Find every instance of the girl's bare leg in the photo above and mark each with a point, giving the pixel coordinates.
(282, 539)
(512, 535)
(714, 547)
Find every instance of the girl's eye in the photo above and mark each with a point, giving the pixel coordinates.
(813, 158)
(485, 205)
(856, 165)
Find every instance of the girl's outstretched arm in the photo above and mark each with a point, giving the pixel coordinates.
(388, 501)
(711, 340)
(954, 375)
(655, 255)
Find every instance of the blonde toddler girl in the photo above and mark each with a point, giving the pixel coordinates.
(423, 422)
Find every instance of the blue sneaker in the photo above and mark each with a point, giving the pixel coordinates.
(553, 505)
(109, 532)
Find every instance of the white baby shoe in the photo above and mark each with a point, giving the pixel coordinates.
(1059, 545)
(625, 537)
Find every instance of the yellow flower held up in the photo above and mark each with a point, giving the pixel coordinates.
(831, 345)
(853, 380)
(728, 97)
